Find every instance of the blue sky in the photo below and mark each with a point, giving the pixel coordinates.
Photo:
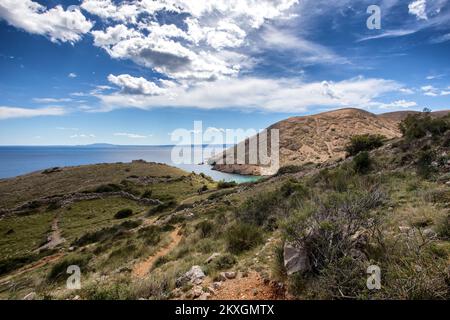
(131, 72)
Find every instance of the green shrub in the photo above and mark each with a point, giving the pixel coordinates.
(257, 210)
(170, 204)
(289, 169)
(225, 261)
(147, 194)
(123, 213)
(338, 179)
(293, 187)
(151, 234)
(10, 264)
(205, 228)
(242, 237)
(364, 142)
(424, 161)
(120, 290)
(416, 126)
(59, 270)
(220, 194)
(111, 187)
(226, 184)
(362, 162)
(104, 234)
(443, 228)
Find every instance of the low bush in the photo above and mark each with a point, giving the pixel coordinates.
(59, 270)
(9, 264)
(226, 184)
(151, 235)
(104, 234)
(147, 194)
(364, 142)
(205, 228)
(111, 187)
(362, 162)
(170, 204)
(424, 163)
(123, 213)
(416, 126)
(242, 237)
(223, 262)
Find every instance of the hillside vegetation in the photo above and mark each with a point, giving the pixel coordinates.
(150, 231)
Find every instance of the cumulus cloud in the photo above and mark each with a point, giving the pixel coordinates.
(72, 75)
(16, 112)
(418, 8)
(273, 95)
(56, 23)
(430, 91)
(133, 85)
(203, 49)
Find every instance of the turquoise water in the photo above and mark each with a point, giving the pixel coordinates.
(16, 161)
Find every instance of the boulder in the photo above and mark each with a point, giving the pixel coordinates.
(194, 276)
(230, 274)
(295, 259)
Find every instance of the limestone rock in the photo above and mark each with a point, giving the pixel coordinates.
(295, 259)
(194, 276)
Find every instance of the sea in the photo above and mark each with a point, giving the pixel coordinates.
(19, 160)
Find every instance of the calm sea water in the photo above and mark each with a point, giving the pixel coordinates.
(16, 161)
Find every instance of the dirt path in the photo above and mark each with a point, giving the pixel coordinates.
(32, 266)
(54, 239)
(252, 287)
(141, 269)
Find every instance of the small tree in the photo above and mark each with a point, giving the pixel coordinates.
(364, 142)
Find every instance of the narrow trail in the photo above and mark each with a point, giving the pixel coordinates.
(32, 266)
(55, 238)
(141, 269)
(252, 287)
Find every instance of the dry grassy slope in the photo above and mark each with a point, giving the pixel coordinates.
(322, 137)
(73, 179)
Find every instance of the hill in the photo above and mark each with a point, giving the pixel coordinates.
(320, 138)
(149, 231)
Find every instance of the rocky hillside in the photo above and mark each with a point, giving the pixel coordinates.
(320, 138)
(149, 231)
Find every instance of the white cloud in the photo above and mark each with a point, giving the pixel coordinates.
(430, 91)
(390, 34)
(72, 75)
(133, 85)
(82, 136)
(69, 129)
(406, 90)
(306, 51)
(273, 95)
(15, 112)
(56, 23)
(204, 50)
(130, 135)
(398, 104)
(51, 100)
(418, 8)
